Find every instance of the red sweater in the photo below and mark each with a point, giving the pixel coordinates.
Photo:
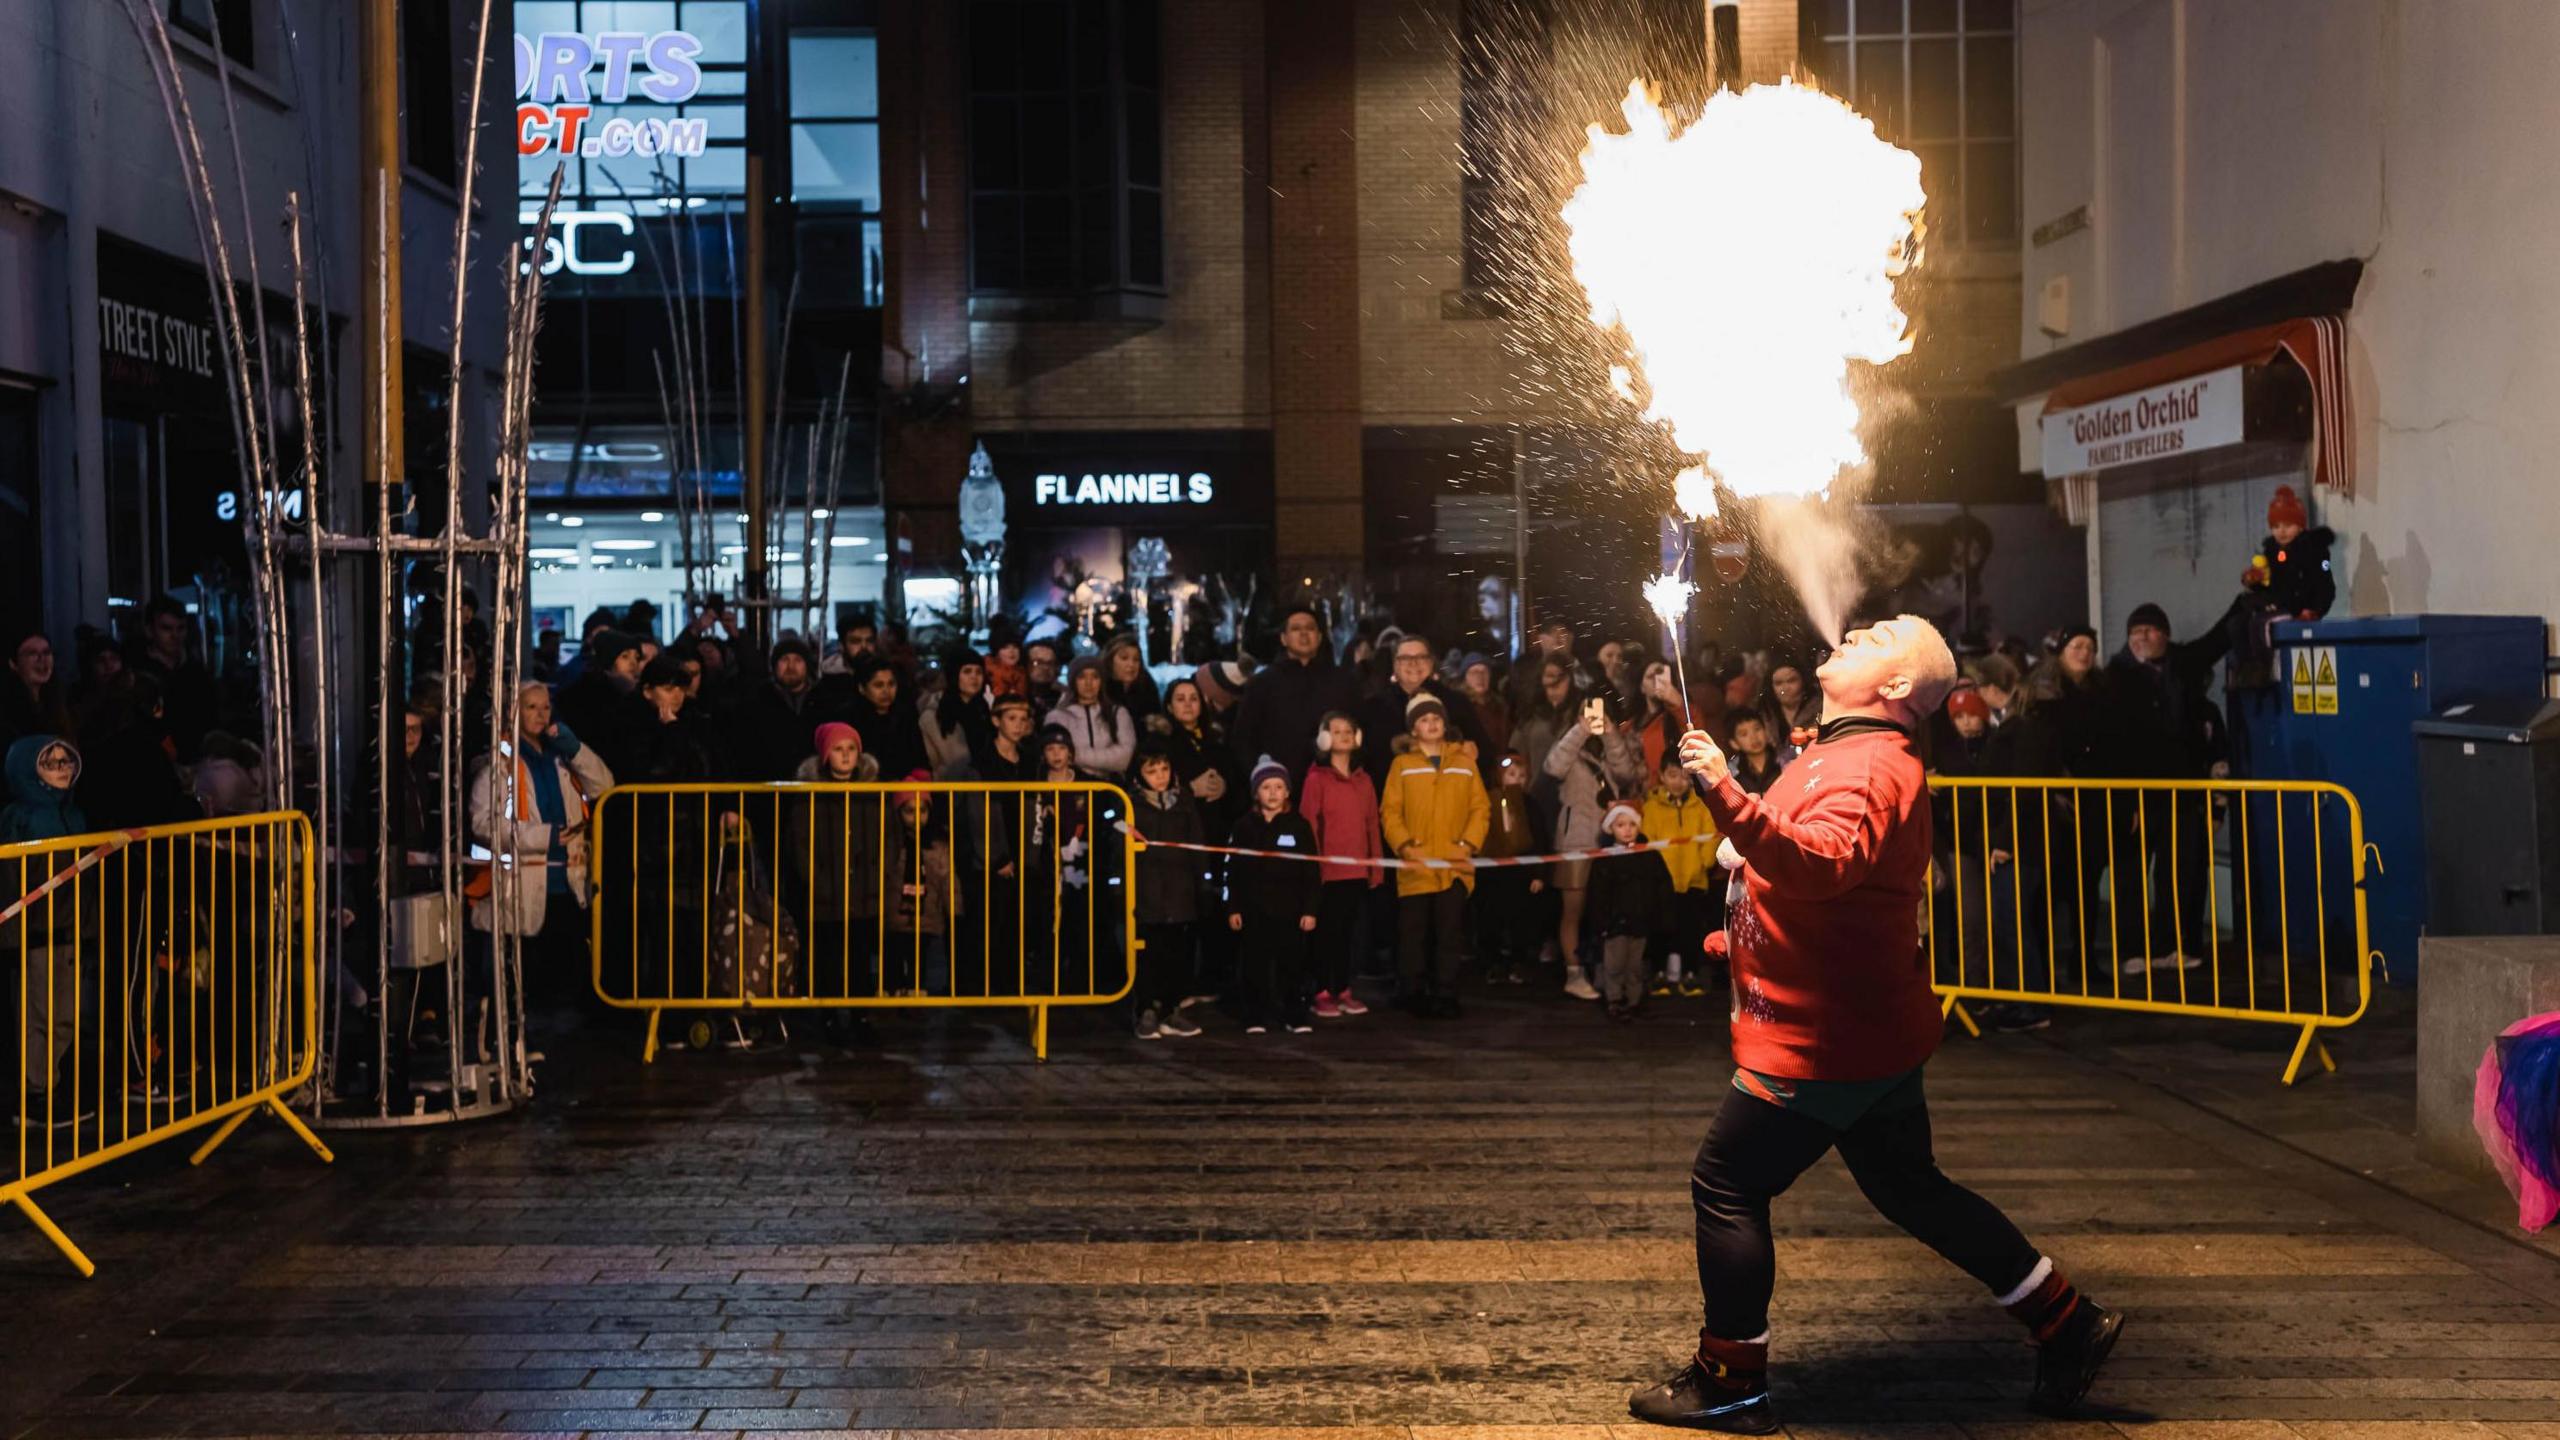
(1830, 982)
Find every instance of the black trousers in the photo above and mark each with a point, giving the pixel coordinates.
(2167, 849)
(1271, 953)
(1510, 925)
(1168, 966)
(1431, 933)
(1340, 907)
(1755, 1150)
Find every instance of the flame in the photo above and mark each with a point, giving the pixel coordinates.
(1694, 493)
(1669, 597)
(1749, 259)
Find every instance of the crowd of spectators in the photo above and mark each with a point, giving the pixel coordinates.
(1312, 766)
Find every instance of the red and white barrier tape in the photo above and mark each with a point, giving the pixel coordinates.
(1479, 863)
(60, 878)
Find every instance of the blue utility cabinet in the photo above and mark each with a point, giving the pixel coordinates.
(2384, 674)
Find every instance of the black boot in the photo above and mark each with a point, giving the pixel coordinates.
(1725, 1387)
(2068, 1362)
(1697, 1400)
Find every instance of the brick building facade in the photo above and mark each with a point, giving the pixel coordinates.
(1362, 310)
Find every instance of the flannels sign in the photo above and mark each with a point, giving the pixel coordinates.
(2197, 413)
(1124, 487)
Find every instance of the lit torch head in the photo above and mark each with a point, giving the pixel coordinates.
(1669, 596)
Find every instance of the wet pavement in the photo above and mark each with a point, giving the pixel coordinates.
(1386, 1229)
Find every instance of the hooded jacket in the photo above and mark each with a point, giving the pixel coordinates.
(1692, 866)
(36, 812)
(1434, 804)
(1343, 809)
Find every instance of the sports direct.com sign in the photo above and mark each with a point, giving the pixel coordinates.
(561, 79)
(2197, 413)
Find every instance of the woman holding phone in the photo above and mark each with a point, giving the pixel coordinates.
(1593, 763)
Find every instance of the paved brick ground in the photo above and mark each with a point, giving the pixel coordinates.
(1376, 1231)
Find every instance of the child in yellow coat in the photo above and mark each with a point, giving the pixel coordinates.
(1432, 808)
(1673, 811)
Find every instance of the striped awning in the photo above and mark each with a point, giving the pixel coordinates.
(2317, 343)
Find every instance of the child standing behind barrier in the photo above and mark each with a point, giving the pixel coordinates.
(42, 770)
(1341, 805)
(1507, 896)
(1434, 809)
(1629, 899)
(1168, 899)
(1673, 811)
(1271, 904)
(918, 883)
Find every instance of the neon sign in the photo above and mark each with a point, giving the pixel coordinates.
(556, 105)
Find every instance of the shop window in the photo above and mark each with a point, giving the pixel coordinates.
(429, 118)
(835, 158)
(1066, 146)
(652, 186)
(1938, 77)
(232, 24)
(21, 530)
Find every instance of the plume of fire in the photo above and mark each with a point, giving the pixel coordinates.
(1694, 493)
(1748, 260)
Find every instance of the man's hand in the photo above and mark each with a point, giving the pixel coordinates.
(1307, 922)
(1999, 858)
(1235, 922)
(1699, 756)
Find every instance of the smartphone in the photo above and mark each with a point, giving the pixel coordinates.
(1595, 709)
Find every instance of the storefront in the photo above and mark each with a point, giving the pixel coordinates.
(2170, 461)
(171, 476)
(1075, 504)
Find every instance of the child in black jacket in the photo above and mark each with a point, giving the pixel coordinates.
(1170, 883)
(1629, 899)
(1271, 904)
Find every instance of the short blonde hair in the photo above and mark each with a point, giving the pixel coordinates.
(1931, 665)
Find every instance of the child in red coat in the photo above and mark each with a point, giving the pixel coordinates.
(1833, 1020)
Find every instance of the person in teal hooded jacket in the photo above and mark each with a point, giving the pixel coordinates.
(41, 771)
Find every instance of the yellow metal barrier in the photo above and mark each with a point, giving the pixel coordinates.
(160, 980)
(831, 897)
(2230, 899)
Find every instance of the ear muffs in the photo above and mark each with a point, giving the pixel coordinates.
(1324, 737)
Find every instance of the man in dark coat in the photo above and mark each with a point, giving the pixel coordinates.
(2159, 724)
(1382, 717)
(1287, 700)
(774, 728)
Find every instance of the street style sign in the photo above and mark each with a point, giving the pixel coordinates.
(2163, 422)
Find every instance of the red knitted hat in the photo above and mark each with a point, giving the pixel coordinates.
(2286, 509)
(1968, 701)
